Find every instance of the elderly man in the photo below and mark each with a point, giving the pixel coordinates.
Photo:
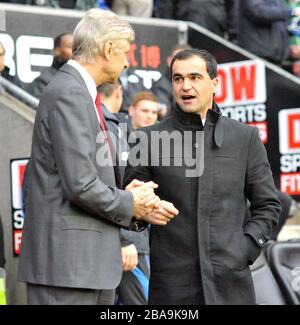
(71, 252)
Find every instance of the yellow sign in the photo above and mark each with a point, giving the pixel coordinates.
(2, 292)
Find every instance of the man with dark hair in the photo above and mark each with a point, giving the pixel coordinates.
(111, 101)
(133, 289)
(62, 53)
(213, 165)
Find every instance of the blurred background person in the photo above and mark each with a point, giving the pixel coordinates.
(133, 289)
(294, 39)
(62, 53)
(218, 16)
(263, 28)
(111, 102)
(4, 70)
(143, 110)
(134, 286)
(138, 8)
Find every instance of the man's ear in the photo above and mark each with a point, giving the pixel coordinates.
(215, 82)
(119, 91)
(108, 50)
(130, 110)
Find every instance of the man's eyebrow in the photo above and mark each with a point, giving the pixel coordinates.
(177, 75)
(192, 74)
(196, 74)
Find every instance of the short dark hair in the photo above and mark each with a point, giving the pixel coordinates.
(211, 63)
(57, 40)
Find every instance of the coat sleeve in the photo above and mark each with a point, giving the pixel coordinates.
(138, 164)
(74, 148)
(264, 12)
(264, 203)
(126, 238)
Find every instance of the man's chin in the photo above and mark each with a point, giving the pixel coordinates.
(188, 109)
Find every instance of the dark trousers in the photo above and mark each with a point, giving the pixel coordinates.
(133, 289)
(49, 295)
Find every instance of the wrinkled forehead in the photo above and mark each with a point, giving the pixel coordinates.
(120, 43)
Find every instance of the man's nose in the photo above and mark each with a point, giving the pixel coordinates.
(186, 84)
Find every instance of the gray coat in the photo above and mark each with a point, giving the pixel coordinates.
(202, 256)
(71, 234)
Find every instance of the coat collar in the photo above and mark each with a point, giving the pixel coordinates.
(67, 68)
(189, 121)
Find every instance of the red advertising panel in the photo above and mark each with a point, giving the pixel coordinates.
(17, 168)
(289, 147)
(242, 93)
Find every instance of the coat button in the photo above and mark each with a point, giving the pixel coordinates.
(196, 145)
(260, 241)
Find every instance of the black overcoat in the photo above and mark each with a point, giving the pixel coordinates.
(209, 246)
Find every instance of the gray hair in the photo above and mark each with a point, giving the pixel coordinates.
(95, 29)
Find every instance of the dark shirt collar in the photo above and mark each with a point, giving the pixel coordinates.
(193, 121)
